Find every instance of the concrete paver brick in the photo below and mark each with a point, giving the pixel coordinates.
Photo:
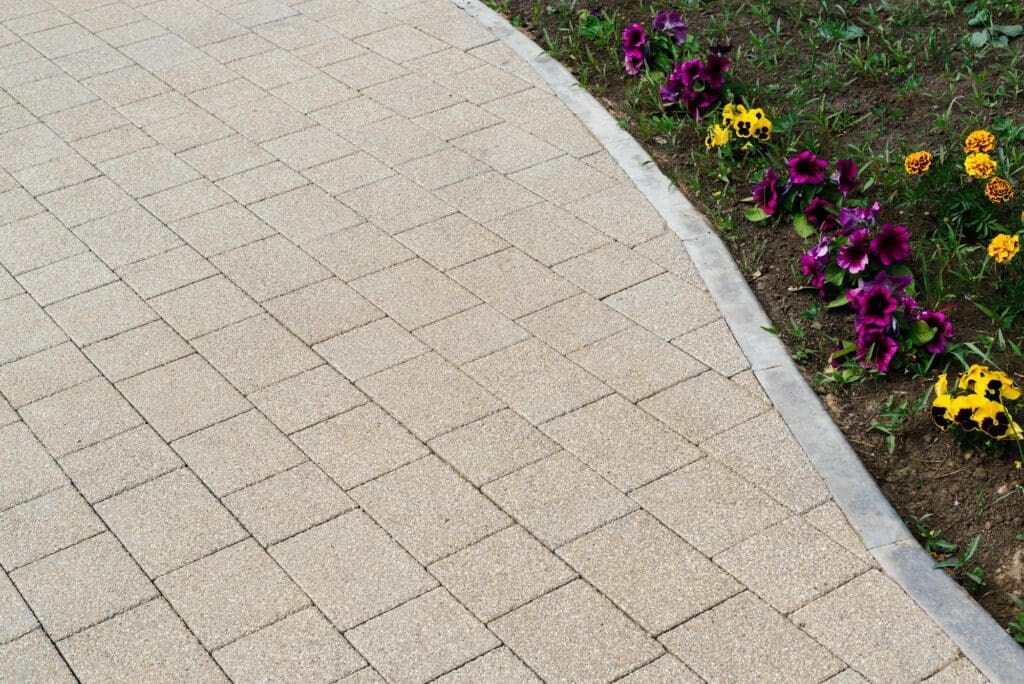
(39, 527)
(471, 334)
(44, 373)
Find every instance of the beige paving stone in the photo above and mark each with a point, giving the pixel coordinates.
(666, 306)
(621, 212)
(513, 283)
(536, 381)
(748, 381)
(574, 323)
(654, 576)
(78, 122)
(288, 503)
(15, 617)
(359, 445)
(185, 201)
(119, 463)
(622, 443)
(237, 452)
(127, 236)
(25, 329)
(493, 446)
(205, 306)
(36, 241)
(307, 398)
(79, 416)
(429, 509)
(357, 251)
(669, 251)
(328, 52)
(124, 86)
(269, 268)
(56, 174)
(351, 569)
(456, 121)
(66, 278)
(429, 395)
(401, 43)
(301, 647)
(558, 499)
(313, 93)
(221, 229)
(448, 166)
(370, 349)
(86, 201)
(414, 293)
(607, 269)
(876, 628)
(309, 147)
(226, 157)
(166, 271)
(438, 65)
(30, 470)
(304, 214)
(294, 32)
(349, 115)
(163, 648)
(394, 95)
(523, 105)
(273, 68)
(17, 205)
(664, 670)
(497, 665)
(487, 196)
(348, 173)
(548, 179)
(50, 95)
(395, 204)
(471, 334)
(703, 406)
(34, 658)
(575, 633)
(500, 573)
(44, 525)
(365, 70)
(137, 351)
(265, 118)
(709, 506)
(148, 171)
(82, 585)
(451, 241)
(765, 453)
(322, 310)
(847, 677)
(192, 76)
(715, 346)
(764, 646)
(790, 564)
(182, 397)
(960, 670)
(44, 373)
(506, 148)
(169, 522)
(262, 182)
(547, 233)
(395, 140)
(62, 40)
(160, 108)
(829, 518)
(31, 145)
(117, 142)
(484, 83)
(231, 593)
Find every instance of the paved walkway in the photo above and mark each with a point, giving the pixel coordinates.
(334, 348)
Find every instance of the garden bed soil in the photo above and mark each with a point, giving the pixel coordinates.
(927, 473)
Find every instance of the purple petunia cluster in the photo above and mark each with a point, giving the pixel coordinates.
(637, 45)
(696, 83)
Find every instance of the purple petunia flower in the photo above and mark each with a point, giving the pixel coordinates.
(873, 303)
(807, 169)
(943, 330)
(821, 214)
(672, 24)
(845, 176)
(814, 261)
(634, 37)
(891, 244)
(713, 72)
(851, 219)
(875, 349)
(854, 255)
(689, 72)
(634, 61)
(766, 193)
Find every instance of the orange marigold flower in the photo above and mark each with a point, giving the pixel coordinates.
(1003, 248)
(999, 190)
(918, 163)
(979, 165)
(980, 141)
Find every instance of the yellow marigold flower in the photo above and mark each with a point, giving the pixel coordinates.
(918, 163)
(999, 190)
(980, 141)
(731, 112)
(716, 137)
(1003, 248)
(979, 165)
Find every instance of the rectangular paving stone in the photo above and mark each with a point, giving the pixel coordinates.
(56, 174)
(301, 647)
(162, 645)
(101, 313)
(44, 373)
(359, 445)
(226, 157)
(322, 310)
(422, 638)
(574, 633)
(625, 445)
(204, 306)
(471, 334)
(119, 463)
(313, 93)
(654, 576)
(500, 573)
(30, 469)
(30, 146)
(309, 147)
(451, 241)
(704, 406)
(269, 268)
(66, 278)
(547, 233)
(876, 628)
(665, 669)
(536, 381)
(182, 397)
(831, 520)
(34, 658)
(513, 283)
(307, 398)
(395, 141)
(25, 329)
(429, 395)
(715, 346)
(189, 130)
(50, 95)
(349, 115)
(456, 121)
(487, 197)
(558, 498)
(39, 527)
(166, 271)
(666, 305)
(169, 522)
(442, 168)
(221, 229)
(351, 569)
(396, 204)
(15, 617)
(762, 645)
(497, 665)
(304, 214)
(127, 236)
(506, 148)
(36, 241)
(370, 349)
(86, 201)
(357, 251)
(414, 293)
(621, 212)
(668, 251)
(264, 118)
(148, 171)
(124, 86)
(547, 179)
(709, 506)
(365, 70)
(574, 323)
(262, 182)
(137, 350)
(231, 593)
(113, 143)
(429, 509)
(82, 585)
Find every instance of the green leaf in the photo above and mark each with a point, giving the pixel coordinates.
(851, 32)
(1011, 31)
(803, 227)
(921, 333)
(755, 215)
(979, 39)
(838, 302)
(999, 41)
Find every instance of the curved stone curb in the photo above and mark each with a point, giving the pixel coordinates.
(980, 638)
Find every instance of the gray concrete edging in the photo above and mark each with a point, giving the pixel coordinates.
(974, 631)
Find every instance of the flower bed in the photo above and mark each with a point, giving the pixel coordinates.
(861, 163)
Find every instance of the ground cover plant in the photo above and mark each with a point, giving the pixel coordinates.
(863, 162)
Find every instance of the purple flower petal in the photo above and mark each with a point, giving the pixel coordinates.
(891, 244)
(807, 169)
